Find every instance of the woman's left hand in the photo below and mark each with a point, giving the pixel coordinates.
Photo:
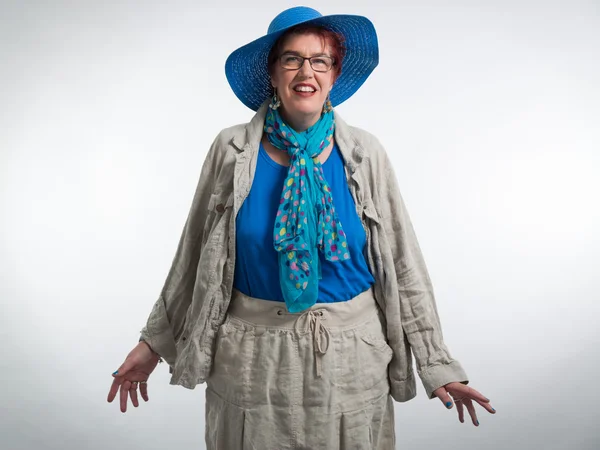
(463, 396)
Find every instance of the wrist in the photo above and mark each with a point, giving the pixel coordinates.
(154, 354)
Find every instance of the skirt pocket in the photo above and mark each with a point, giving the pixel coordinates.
(233, 358)
(374, 356)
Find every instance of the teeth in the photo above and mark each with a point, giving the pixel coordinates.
(304, 89)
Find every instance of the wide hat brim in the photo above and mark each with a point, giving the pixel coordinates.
(247, 67)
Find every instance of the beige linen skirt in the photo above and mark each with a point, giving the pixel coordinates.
(312, 380)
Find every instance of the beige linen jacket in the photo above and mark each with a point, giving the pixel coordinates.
(194, 300)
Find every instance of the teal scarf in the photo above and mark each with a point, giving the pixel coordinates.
(306, 219)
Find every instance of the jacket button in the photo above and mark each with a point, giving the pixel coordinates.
(220, 207)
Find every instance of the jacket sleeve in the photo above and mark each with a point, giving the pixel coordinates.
(419, 315)
(167, 318)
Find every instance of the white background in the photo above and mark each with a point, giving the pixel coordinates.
(490, 111)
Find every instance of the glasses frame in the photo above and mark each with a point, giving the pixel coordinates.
(309, 61)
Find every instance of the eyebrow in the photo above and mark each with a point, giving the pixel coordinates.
(291, 52)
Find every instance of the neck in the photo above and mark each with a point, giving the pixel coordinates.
(299, 122)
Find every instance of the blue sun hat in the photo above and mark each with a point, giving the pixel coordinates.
(247, 67)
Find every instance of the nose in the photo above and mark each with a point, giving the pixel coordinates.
(305, 68)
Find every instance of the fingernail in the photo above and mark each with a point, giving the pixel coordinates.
(115, 372)
(477, 421)
(493, 410)
(448, 404)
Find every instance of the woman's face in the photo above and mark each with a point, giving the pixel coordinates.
(303, 91)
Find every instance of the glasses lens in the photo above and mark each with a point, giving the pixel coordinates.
(291, 61)
(321, 63)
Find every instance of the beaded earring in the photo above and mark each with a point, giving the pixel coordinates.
(275, 102)
(327, 106)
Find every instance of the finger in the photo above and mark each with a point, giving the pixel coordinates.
(476, 395)
(469, 405)
(463, 391)
(125, 367)
(461, 411)
(144, 391)
(444, 397)
(485, 403)
(487, 406)
(133, 394)
(124, 392)
(114, 388)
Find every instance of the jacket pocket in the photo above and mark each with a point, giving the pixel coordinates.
(219, 201)
(370, 220)
(370, 211)
(219, 205)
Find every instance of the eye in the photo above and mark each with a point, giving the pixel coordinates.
(319, 61)
(291, 59)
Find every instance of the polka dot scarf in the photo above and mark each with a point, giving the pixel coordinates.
(306, 219)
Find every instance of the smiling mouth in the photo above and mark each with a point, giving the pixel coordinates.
(306, 89)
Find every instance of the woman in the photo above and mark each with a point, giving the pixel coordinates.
(299, 307)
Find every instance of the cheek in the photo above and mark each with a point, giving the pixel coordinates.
(326, 84)
(284, 82)
(280, 79)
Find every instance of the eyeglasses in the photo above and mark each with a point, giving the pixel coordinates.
(291, 61)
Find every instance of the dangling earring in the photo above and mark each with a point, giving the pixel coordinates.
(275, 102)
(327, 106)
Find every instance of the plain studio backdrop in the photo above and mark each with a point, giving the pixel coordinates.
(490, 112)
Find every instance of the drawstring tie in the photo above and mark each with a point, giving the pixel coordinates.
(321, 334)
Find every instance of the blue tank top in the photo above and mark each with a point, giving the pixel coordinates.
(256, 267)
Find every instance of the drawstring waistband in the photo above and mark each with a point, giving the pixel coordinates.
(313, 319)
(321, 319)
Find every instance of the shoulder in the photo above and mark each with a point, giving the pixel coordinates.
(226, 145)
(223, 155)
(371, 147)
(226, 138)
(363, 136)
(228, 134)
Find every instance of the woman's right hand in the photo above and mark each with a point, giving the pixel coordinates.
(136, 369)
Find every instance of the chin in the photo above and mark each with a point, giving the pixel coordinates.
(305, 108)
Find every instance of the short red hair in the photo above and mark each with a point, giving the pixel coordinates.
(335, 40)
